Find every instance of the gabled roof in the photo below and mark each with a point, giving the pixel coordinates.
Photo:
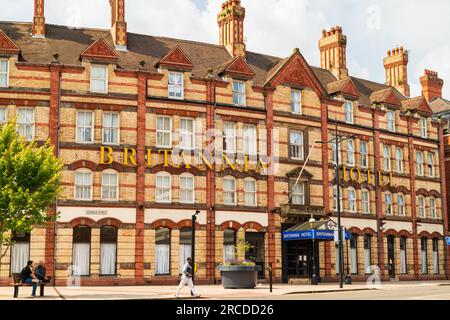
(418, 103)
(387, 96)
(344, 86)
(237, 67)
(439, 105)
(7, 46)
(176, 58)
(99, 50)
(295, 172)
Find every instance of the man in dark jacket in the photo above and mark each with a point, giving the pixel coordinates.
(27, 276)
(40, 272)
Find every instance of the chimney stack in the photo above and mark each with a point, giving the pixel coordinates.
(333, 56)
(118, 24)
(231, 25)
(38, 30)
(431, 85)
(396, 65)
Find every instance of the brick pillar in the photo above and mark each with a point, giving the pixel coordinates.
(140, 179)
(444, 195)
(380, 245)
(325, 181)
(412, 169)
(210, 190)
(272, 230)
(55, 76)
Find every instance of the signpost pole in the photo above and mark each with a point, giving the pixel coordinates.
(338, 207)
(314, 278)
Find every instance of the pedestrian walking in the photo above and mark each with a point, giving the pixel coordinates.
(186, 278)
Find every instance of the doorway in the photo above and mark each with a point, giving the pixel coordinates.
(391, 256)
(257, 250)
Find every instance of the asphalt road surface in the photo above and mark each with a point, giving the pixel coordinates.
(406, 293)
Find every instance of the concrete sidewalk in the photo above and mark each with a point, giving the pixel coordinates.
(206, 291)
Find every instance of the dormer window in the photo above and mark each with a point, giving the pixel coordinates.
(423, 127)
(99, 78)
(4, 72)
(176, 85)
(391, 120)
(239, 93)
(296, 101)
(348, 110)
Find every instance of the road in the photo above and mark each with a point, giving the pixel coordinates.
(399, 293)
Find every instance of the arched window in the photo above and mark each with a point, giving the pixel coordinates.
(351, 198)
(436, 256)
(187, 188)
(83, 185)
(250, 199)
(185, 246)
(110, 185)
(354, 253)
(368, 253)
(163, 187)
(229, 244)
(365, 201)
(229, 191)
(162, 256)
(81, 250)
(403, 255)
(433, 212)
(20, 251)
(421, 205)
(388, 203)
(424, 251)
(108, 250)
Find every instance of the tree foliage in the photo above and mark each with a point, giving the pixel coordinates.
(30, 178)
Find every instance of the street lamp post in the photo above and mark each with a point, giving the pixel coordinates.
(194, 219)
(314, 278)
(338, 208)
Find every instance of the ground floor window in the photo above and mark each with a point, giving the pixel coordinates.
(81, 251)
(185, 247)
(403, 260)
(20, 252)
(108, 250)
(229, 245)
(436, 256)
(367, 254)
(424, 256)
(354, 253)
(162, 256)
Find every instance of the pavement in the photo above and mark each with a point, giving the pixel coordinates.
(409, 290)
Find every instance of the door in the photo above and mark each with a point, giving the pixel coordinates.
(299, 259)
(391, 256)
(256, 252)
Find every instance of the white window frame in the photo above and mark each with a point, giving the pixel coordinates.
(299, 147)
(174, 87)
(341, 196)
(164, 132)
(105, 80)
(5, 73)
(250, 147)
(333, 152)
(350, 152)
(110, 186)
(4, 117)
(351, 199)
(299, 192)
(421, 206)
(111, 128)
(239, 93)
(252, 193)
(185, 135)
(187, 175)
(430, 164)
(365, 203)
(231, 191)
(92, 126)
(401, 207)
(399, 160)
(21, 126)
(419, 164)
(296, 101)
(387, 158)
(229, 137)
(364, 154)
(390, 121)
(423, 123)
(349, 112)
(389, 210)
(84, 185)
(159, 187)
(433, 211)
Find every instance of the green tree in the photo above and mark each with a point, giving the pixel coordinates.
(30, 178)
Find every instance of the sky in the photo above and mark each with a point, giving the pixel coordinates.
(276, 27)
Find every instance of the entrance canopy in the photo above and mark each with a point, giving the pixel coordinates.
(312, 231)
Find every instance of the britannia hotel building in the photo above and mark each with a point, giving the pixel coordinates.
(151, 129)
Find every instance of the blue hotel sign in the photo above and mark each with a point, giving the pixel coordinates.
(447, 240)
(311, 234)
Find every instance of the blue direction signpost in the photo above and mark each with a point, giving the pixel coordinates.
(447, 240)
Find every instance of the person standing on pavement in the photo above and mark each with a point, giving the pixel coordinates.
(186, 278)
(27, 276)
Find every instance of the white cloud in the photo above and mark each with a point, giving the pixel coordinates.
(277, 26)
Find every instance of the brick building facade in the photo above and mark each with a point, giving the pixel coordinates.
(151, 129)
